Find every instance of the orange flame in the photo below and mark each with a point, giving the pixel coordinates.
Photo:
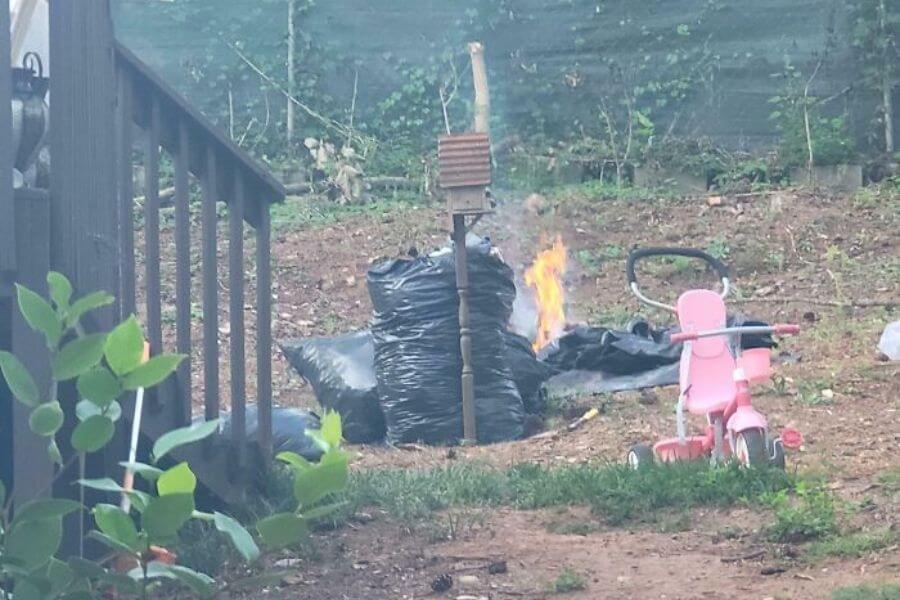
(545, 276)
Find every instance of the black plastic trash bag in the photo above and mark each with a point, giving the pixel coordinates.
(417, 357)
(341, 372)
(289, 427)
(528, 372)
(638, 349)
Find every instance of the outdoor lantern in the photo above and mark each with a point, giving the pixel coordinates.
(465, 172)
(29, 110)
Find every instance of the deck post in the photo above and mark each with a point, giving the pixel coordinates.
(7, 223)
(84, 200)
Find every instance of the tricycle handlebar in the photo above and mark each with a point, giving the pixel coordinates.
(783, 329)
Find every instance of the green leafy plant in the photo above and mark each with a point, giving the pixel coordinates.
(810, 515)
(103, 368)
(568, 581)
(314, 487)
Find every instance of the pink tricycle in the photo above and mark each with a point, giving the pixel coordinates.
(714, 378)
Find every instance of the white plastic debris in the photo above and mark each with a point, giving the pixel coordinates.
(890, 341)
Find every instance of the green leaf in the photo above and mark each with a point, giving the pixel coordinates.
(148, 472)
(180, 437)
(165, 515)
(331, 429)
(152, 372)
(125, 347)
(99, 386)
(102, 485)
(201, 584)
(282, 529)
(60, 290)
(314, 484)
(86, 304)
(139, 500)
(155, 570)
(54, 453)
(177, 480)
(93, 434)
(2, 494)
(78, 356)
(39, 315)
(33, 543)
(85, 409)
(48, 508)
(240, 537)
(19, 380)
(111, 542)
(114, 522)
(321, 512)
(294, 460)
(46, 419)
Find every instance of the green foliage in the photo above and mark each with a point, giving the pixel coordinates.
(568, 581)
(103, 366)
(828, 136)
(868, 592)
(315, 486)
(808, 516)
(853, 545)
(614, 492)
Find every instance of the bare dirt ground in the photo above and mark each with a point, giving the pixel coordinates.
(831, 263)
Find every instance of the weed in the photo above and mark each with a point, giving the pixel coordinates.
(853, 545)
(814, 393)
(776, 260)
(677, 524)
(888, 591)
(568, 581)
(297, 212)
(809, 516)
(718, 248)
(582, 528)
(890, 479)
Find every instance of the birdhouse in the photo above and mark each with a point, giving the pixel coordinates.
(465, 172)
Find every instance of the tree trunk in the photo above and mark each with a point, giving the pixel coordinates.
(292, 41)
(887, 84)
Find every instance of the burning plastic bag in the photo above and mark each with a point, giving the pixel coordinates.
(342, 375)
(417, 357)
(529, 373)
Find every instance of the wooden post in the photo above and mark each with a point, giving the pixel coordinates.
(482, 92)
(32, 470)
(7, 203)
(83, 200)
(481, 125)
(470, 428)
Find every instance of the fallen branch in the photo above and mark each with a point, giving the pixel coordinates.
(374, 183)
(834, 303)
(751, 556)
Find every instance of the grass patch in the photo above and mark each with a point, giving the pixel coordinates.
(299, 212)
(581, 528)
(602, 190)
(810, 515)
(853, 545)
(568, 581)
(867, 592)
(615, 493)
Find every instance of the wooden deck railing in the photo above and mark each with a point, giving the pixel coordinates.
(167, 123)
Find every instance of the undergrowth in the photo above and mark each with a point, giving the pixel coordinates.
(809, 515)
(615, 493)
(853, 545)
(298, 212)
(867, 592)
(568, 581)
